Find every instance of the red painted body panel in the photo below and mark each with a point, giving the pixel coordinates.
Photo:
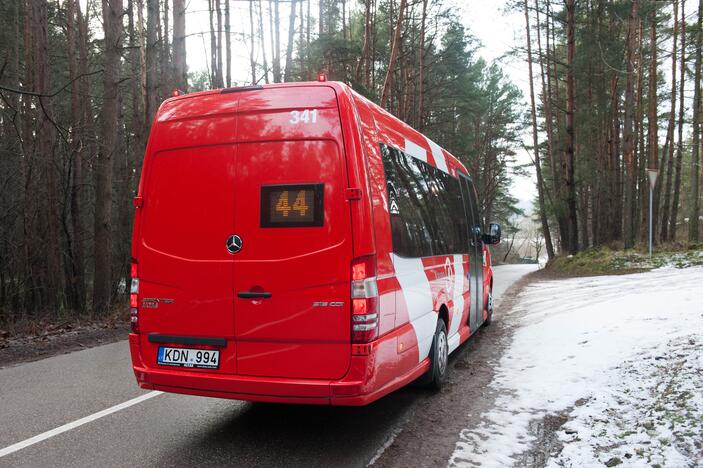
(208, 156)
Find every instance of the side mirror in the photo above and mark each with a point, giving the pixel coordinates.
(493, 236)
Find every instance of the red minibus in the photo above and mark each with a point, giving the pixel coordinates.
(297, 243)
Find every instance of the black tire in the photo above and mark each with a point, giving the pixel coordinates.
(489, 308)
(435, 377)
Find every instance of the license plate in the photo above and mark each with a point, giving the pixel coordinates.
(188, 357)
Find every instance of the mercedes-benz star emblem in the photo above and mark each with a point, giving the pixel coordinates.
(234, 244)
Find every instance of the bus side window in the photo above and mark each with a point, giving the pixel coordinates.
(425, 207)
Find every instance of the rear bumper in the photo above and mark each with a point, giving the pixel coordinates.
(352, 390)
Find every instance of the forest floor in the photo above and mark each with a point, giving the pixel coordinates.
(605, 261)
(40, 339)
(600, 371)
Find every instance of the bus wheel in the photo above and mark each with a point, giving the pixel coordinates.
(439, 358)
(489, 308)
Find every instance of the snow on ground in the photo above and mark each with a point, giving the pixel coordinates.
(618, 358)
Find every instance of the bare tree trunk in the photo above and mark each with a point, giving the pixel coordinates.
(320, 16)
(291, 38)
(228, 46)
(32, 297)
(136, 150)
(272, 42)
(213, 45)
(87, 119)
(679, 145)
(652, 123)
(77, 280)
(136, 39)
(556, 106)
(571, 243)
(669, 146)
(112, 19)
(363, 60)
(640, 194)
(46, 135)
(277, 43)
(535, 143)
(179, 45)
(421, 71)
(219, 76)
(372, 82)
(344, 20)
(395, 46)
(695, 202)
(152, 60)
(252, 62)
(262, 42)
(301, 46)
(546, 98)
(628, 134)
(307, 42)
(166, 64)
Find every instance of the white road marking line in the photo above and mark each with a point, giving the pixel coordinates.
(79, 422)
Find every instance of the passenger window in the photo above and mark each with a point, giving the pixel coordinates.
(425, 207)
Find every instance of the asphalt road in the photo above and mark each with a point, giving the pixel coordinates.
(176, 430)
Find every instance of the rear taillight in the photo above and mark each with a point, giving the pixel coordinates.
(364, 298)
(134, 298)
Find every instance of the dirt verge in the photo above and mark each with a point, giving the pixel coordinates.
(59, 340)
(431, 431)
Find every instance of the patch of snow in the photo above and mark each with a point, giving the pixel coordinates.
(654, 415)
(598, 341)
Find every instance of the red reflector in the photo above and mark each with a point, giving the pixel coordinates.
(364, 292)
(363, 267)
(133, 300)
(360, 306)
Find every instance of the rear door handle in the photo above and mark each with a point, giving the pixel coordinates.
(253, 295)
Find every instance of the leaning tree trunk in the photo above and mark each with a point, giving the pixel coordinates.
(395, 47)
(535, 144)
(363, 60)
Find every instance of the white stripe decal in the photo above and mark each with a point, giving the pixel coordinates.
(418, 299)
(72, 425)
(453, 342)
(415, 151)
(439, 160)
(458, 296)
